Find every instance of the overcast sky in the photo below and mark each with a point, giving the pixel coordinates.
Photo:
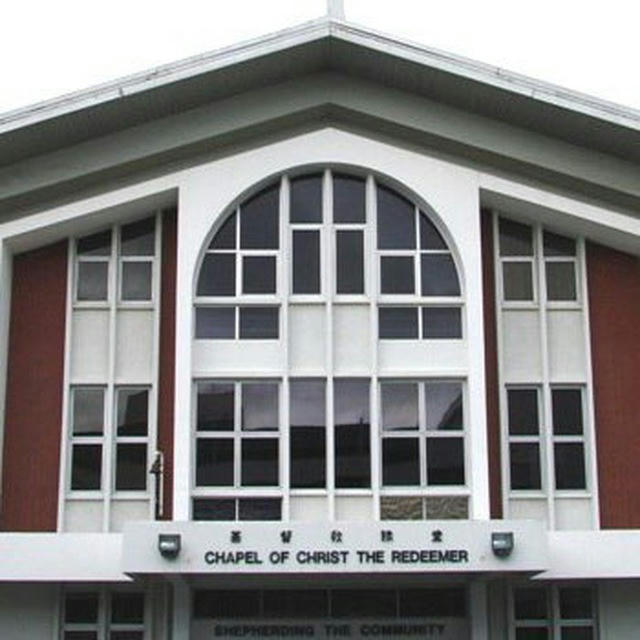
(52, 47)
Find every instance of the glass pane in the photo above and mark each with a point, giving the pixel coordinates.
(567, 411)
(515, 239)
(530, 603)
(81, 608)
(259, 220)
(259, 323)
(260, 406)
(93, 280)
(351, 419)
(439, 275)
(126, 635)
(399, 323)
(306, 262)
(98, 244)
(80, 635)
(523, 411)
(215, 406)
(556, 245)
(217, 275)
(218, 603)
(303, 603)
(430, 237)
(399, 406)
(220, 509)
(86, 467)
(131, 467)
(259, 462)
(569, 465)
(260, 509)
(259, 274)
(577, 633)
(440, 323)
(561, 281)
(307, 403)
(214, 462)
(215, 323)
(349, 262)
(445, 461)
(525, 465)
(397, 274)
(443, 602)
(363, 603)
(444, 406)
(576, 603)
(225, 238)
(348, 199)
(400, 462)
(133, 412)
(138, 238)
(88, 412)
(136, 281)
(396, 221)
(308, 457)
(517, 281)
(532, 633)
(127, 608)
(306, 199)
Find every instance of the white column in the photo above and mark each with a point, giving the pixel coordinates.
(181, 610)
(479, 618)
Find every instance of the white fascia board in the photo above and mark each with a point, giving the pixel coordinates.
(592, 555)
(315, 30)
(61, 557)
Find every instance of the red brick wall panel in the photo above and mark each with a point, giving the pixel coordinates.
(614, 312)
(35, 379)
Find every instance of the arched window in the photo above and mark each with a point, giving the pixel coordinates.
(328, 320)
(324, 223)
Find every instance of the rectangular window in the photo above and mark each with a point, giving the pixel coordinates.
(87, 421)
(132, 433)
(560, 267)
(352, 427)
(568, 439)
(306, 262)
(517, 260)
(103, 615)
(422, 433)
(137, 250)
(92, 267)
(524, 438)
(237, 434)
(232, 509)
(349, 261)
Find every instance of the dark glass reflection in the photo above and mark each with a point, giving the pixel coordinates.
(350, 261)
(400, 462)
(439, 275)
(306, 199)
(259, 220)
(399, 406)
(308, 457)
(220, 509)
(81, 608)
(302, 603)
(260, 509)
(557, 245)
(127, 608)
(133, 412)
(532, 633)
(92, 281)
(397, 274)
(441, 323)
(98, 244)
(396, 221)
(306, 262)
(138, 238)
(351, 437)
(398, 323)
(88, 412)
(131, 467)
(136, 281)
(215, 406)
(259, 323)
(445, 461)
(225, 238)
(567, 411)
(515, 239)
(441, 602)
(215, 323)
(219, 603)
(443, 402)
(86, 467)
(363, 603)
(260, 406)
(259, 274)
(530, 603)
(561, 281)
(576, 603)
(348, 199)
(525, 465)
(217, 275)
(214, 462)
(577, 633)
(569, 465)
(430, 237)
(259, 463)
(517, 281)
(523, 411)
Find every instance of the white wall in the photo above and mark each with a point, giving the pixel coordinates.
(619, 610)
(27, 611)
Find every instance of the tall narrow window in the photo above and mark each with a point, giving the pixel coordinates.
(516, 253)
(137, 248)
(87, 438)
(568, 438)
(132, 432)
(92, 267)
(560, 267)
(524, 438)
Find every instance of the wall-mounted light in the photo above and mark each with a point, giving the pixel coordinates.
(502, 543)
(169, 545)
